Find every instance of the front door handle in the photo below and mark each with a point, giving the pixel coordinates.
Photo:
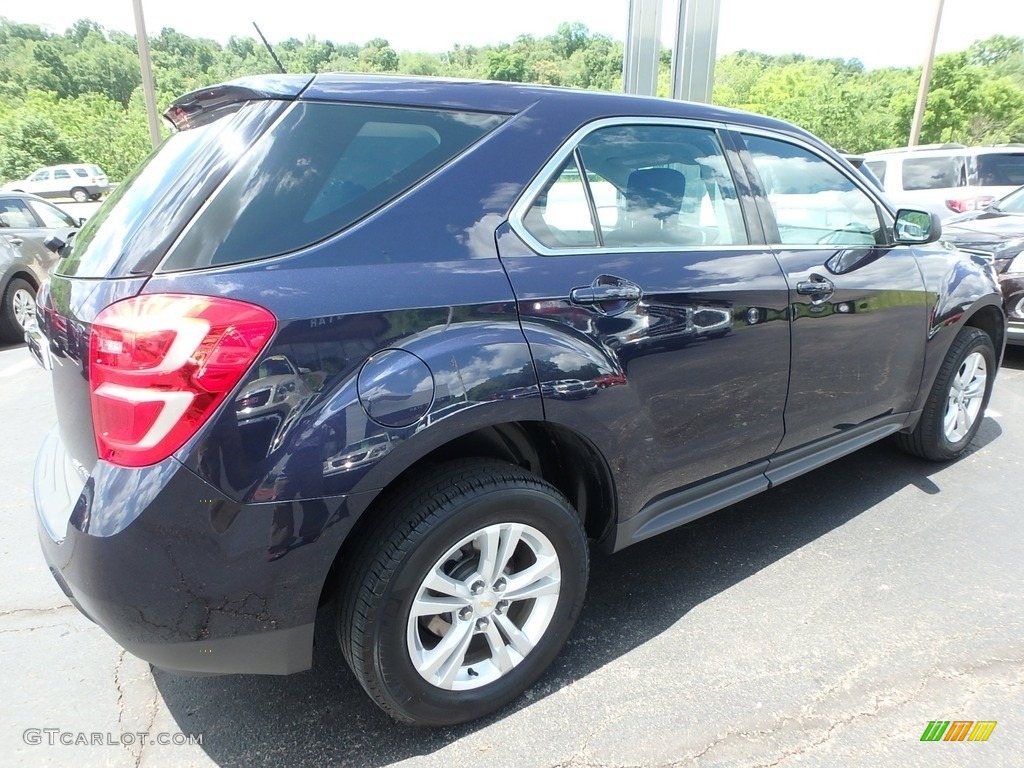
(15, 241)
(598, 294)
(816, 286)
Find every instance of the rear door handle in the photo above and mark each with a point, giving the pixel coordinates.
(15, 241)
(816, 286)
(598, 294)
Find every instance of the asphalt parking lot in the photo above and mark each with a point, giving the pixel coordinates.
(823, 623)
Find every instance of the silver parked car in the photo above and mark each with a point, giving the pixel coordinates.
(25, 224)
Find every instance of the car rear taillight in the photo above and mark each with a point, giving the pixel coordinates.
(159, 365)
(965, 204)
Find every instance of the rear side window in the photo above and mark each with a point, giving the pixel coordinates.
(80, 172)
(322, 168)
(933, 173)
(1001, 170)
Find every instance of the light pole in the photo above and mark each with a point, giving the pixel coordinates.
(147, 73)
(926, 79)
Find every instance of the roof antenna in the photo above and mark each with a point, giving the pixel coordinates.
(273, 55)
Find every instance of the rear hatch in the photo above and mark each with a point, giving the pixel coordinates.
(117, 250)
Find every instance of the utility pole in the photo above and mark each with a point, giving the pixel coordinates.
(147, 73)
(926, 79)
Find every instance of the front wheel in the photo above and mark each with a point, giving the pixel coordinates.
(465, 595)
(953, 412)
(19, 307)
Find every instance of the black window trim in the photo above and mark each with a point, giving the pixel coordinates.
(570, 146)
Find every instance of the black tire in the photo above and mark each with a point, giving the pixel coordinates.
(79, 195)
(17, 291)
(421, 523)
(929, 439)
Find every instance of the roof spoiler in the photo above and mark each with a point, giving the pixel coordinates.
(199, 107)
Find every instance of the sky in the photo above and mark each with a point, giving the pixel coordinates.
(878, 32)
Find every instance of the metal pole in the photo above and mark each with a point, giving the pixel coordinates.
(147, 73)
(642, 49)
(693, 55)
(926, 79)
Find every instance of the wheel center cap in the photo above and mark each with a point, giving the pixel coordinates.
(484, 604)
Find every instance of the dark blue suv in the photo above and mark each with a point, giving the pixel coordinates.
(408, 346)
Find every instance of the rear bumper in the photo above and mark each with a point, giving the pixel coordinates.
(181, 575)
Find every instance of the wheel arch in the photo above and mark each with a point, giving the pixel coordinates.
(555, 453)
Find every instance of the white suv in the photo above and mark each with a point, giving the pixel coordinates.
(948, 178)
(80, 182)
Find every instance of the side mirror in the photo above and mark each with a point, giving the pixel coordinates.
(915, 227)
(81, 221)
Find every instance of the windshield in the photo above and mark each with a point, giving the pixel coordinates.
(1013, 202)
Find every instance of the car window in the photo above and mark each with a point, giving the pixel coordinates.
(1000, 170)
(647, 186)
(51, 217)
(813, 201)
(877, 167)
(322, 168)
(61, 174)
(560, 215)
(80, 171)
(95, 170)
(933, 173)
(15, 214)
(40, 176)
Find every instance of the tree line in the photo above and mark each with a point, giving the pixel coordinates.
(77, 97)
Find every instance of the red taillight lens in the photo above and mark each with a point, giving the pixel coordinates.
(159, 365)
(965, 204)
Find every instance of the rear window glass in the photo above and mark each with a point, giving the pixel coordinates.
(322, 168)
(998, 170)
(136, 225)
(933, 173)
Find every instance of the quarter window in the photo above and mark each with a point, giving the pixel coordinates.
(812, 200)
(640, 186)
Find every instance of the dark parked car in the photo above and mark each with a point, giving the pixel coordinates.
(539, 317)
(25, 224)
(998, 232)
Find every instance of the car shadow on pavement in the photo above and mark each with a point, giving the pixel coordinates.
(322, 716)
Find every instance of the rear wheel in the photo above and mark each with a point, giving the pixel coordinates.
(465, 595)
(953, 412)
(79, 195)
(19, 307)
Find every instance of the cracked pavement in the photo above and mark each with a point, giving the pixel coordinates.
(823, 623)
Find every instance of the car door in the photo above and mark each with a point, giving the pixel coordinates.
(62, 183)
(655, 317)
(39, 183)
(858, 307)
